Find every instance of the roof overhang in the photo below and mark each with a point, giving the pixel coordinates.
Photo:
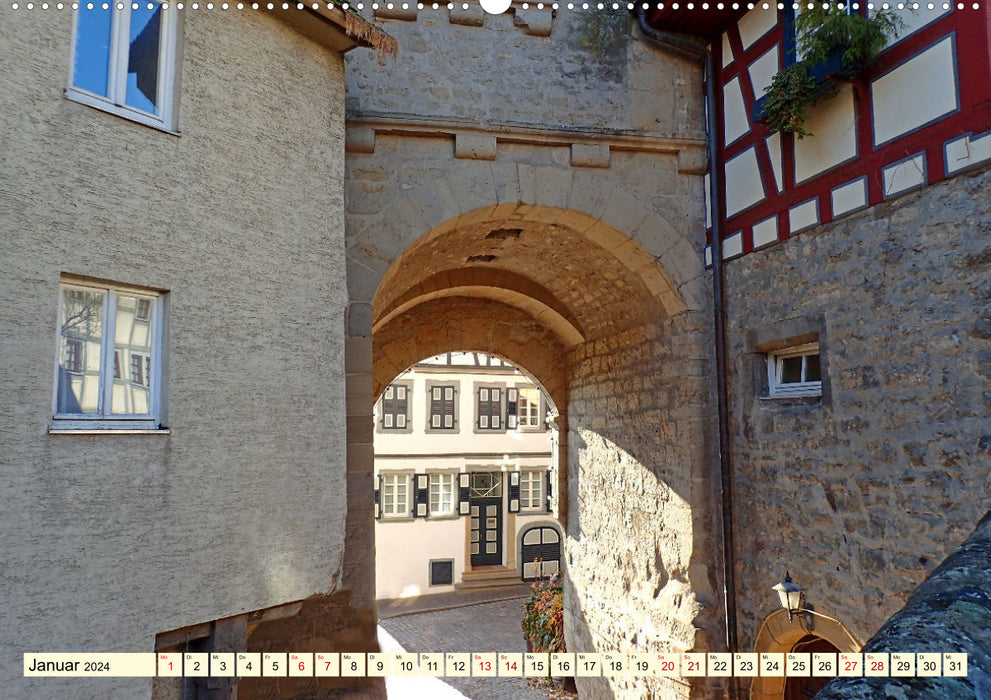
(707, 23)
(337, 29)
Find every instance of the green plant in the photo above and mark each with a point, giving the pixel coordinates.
(543, 616)
(789, 98)
(820, 32)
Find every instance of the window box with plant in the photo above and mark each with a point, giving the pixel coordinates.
(837, 44)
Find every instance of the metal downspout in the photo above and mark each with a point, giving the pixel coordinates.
(674, 44)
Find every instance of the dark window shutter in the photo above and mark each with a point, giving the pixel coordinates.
(514, 492)
(378, 496)
(422, 494)
(449, 407)
(512, 402)
(464, 494)
(550, 482)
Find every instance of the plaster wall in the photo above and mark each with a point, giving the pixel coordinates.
(110, 539)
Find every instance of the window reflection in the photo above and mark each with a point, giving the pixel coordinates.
(132, 344)
(142, 63)
(81, 337)
(92, 59)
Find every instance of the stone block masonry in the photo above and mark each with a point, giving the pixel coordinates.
(861, 494)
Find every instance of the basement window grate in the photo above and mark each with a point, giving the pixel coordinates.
(441, 572)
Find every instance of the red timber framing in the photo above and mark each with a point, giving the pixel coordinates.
(969, 31)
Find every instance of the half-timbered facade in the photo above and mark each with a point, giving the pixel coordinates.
(920, 115)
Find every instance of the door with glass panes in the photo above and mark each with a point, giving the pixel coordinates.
(485, 538)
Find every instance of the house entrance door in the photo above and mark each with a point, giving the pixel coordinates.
(486, 519)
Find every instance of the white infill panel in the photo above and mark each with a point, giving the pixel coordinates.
(802, 216)
(834, 127)
(756, 24)
(966, 151)
(774, 152)
(743, 184)
(849, 197)
(904, 175)
(766, 232)
(762, 71)
(708, 206)
(736, 121)
(917, 92)
(914, 20)
(727, 51)
(733, 245)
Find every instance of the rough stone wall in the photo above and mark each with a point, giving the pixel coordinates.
(640, 539)
(107, 540)
(521, 77)
(861, 494)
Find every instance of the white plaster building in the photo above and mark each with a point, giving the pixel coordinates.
(463, 453)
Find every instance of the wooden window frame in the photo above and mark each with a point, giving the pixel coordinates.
(109, 366)
(437, 479)
(775, 363)
(529, 477)
(169, 58)
(541, 409)
(407, 512)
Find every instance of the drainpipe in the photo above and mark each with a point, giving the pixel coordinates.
(679, 46)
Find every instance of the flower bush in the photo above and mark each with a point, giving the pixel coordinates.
(543, 616)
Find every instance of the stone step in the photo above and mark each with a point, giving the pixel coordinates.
(494, 577)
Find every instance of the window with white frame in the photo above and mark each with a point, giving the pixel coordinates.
(442, 408)
(394, 407)
(108, 370)
(795, 371)
(532, 490)
(442, 494)
(490, 408)
(395, 496)
(529, 407)
(124, 60)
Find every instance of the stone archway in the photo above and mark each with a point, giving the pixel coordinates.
(602, 300)
(806, 631)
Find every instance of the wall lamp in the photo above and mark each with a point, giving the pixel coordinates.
(791, 595)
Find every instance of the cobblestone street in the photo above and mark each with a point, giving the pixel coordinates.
(489, 627)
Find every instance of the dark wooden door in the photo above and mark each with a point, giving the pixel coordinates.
(486, 519)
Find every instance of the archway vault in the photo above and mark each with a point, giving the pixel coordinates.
(531, 250)
(598, 299)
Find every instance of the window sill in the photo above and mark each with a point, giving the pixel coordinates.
(396, 519)
(445, 516)
(109, 431)
(95, 102)
(802, 399)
